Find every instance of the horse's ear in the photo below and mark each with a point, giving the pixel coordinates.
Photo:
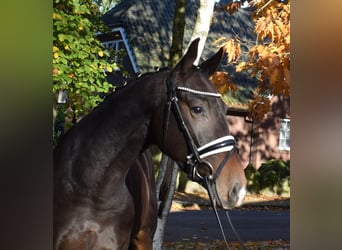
(210, 66)
(188, 59)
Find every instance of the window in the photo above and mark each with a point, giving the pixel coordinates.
(118, 43)
(117, 46)
(284, 135)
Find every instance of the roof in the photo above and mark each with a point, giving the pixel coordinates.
(148, 25)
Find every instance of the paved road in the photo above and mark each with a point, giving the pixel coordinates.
(251, 225)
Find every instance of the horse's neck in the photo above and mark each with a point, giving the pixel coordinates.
(106, 143)
(131, 111)
(123, 122)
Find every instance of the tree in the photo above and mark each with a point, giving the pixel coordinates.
(176, 50)
(269, 58)
(106, 5)
(79, 65)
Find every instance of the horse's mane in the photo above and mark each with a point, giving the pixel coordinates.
(129, 82)
(157, 69)
(124, 85)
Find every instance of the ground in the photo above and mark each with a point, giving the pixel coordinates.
(200, 201)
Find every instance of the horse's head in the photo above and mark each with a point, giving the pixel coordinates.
(195, 131)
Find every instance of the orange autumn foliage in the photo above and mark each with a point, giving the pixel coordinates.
(269, 59)
(222, 82)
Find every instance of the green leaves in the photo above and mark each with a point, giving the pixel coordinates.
(272, 175)
(79, 64)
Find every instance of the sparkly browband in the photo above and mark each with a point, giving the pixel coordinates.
(198, 92)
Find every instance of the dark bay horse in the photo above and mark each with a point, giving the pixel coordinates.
(181, 112)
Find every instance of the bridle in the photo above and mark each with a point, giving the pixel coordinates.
(197, 154)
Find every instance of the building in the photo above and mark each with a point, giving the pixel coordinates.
(259, 142)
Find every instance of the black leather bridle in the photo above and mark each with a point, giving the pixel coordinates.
(197, 155)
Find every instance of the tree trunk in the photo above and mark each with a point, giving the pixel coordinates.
(204, 16)
(176, 50)
(165, 195)
(182, 181)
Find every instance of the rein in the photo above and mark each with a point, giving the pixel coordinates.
(209, 184)
(195, 158)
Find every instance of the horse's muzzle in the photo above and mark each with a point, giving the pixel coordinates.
(236, 195)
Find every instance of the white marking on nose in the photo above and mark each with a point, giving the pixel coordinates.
(241, 195)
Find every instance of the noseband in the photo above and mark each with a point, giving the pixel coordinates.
(197, 155)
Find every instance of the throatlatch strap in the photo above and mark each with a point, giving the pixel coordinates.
(166, 122)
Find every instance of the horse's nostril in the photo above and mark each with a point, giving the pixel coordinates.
(235, 189)
(234, 192)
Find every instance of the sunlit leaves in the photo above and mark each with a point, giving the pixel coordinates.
(100, 53)
(79, 63)
(106, 5)
(233, 6)
(223, 82)
(259, 107)
(269, 58)
(56, 16)
(231, 47)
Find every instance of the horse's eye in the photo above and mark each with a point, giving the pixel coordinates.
(197, 110)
